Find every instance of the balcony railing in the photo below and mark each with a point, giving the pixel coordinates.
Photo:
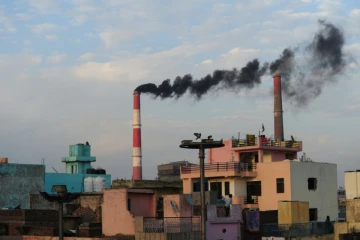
(265, 142)
(251, 200)
(171, 224)
(220, 167)
(297, 229)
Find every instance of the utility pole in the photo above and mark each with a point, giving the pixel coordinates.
(204, 144)
(61, 197)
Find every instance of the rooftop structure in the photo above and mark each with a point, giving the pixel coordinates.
(79, 175)
(79, 159)
(171, 171)
(260, 171)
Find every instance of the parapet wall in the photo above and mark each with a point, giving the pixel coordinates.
(152, 184)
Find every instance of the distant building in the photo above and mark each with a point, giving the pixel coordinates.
(17, 181)
(79, 176)
(171, 171)
(342, 204)
(352, 184)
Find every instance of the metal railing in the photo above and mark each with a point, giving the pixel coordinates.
(266, 142)
(220, 167)
(172, 224)
(297, 229)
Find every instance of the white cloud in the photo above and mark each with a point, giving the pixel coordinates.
(44, 6)
(138, 67)
(45, 27)
(86, 57)
(207, 61)
(55, 59)
(6, 23)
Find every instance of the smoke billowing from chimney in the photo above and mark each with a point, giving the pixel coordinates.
(302, 80)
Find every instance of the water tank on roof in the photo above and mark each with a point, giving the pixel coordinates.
(100, 171)
(88, 184)
(90, 171)
(99, 184)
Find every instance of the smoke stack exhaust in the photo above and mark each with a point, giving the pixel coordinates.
(137, 164)
(278, 110)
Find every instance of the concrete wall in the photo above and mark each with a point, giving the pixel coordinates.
(352, 184)
(18, 181)
(324, 198)
(142, 204)
(293, 212)
(223, 227)
(224, 154)
(267, 174)
(74, 182)
(345, 227)
(184, 208)
(116, 219)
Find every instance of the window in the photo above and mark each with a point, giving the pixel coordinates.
(313, 214)
(197, 210)
(129, 204)
(312, 184)
(289, 156)
(280, 185)
(216, 186)
(254, 188)
(73, 169)
(227, 188)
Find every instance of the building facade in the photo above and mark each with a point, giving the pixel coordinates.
(17, 181)
(79, 175)
(261, 175)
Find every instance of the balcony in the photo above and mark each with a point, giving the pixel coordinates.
(253, 142)
(220, 170)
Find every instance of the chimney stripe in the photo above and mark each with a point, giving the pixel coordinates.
(137, 157)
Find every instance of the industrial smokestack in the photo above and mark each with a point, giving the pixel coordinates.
(278, 110)
(137, 165)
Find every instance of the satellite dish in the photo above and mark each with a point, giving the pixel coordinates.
(174, 206)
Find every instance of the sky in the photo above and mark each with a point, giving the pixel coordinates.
(69, 68)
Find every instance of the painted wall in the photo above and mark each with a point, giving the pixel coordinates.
(290, 212)
(142, 204)
(223, 227)
(116, 219)
(324, 198)
(223, 154)
(267, 174)
(17, 181)
(81, 167)
(73, 182)
(114, 212)
(352, 184)
(184, 208)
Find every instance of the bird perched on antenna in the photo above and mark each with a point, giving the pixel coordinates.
(209, 137)
(197, 135)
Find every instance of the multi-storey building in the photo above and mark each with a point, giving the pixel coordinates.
(260, 171)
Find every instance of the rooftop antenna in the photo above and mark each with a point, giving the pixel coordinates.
(42, 161)
(54, 169)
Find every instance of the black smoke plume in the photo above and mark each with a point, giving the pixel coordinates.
(323, 60)
(247, 77)
(302, 80)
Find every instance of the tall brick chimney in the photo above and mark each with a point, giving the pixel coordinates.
(278, 110)
(137, 157)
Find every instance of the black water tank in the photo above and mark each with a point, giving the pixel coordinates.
(90, 171)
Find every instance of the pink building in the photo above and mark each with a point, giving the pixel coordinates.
(260, 171)
(121, 206)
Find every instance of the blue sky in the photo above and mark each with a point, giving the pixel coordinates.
(69, 69)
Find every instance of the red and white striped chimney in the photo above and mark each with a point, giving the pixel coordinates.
(278, 110)
(137, 165)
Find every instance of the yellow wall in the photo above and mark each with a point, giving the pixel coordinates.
(290, 212)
